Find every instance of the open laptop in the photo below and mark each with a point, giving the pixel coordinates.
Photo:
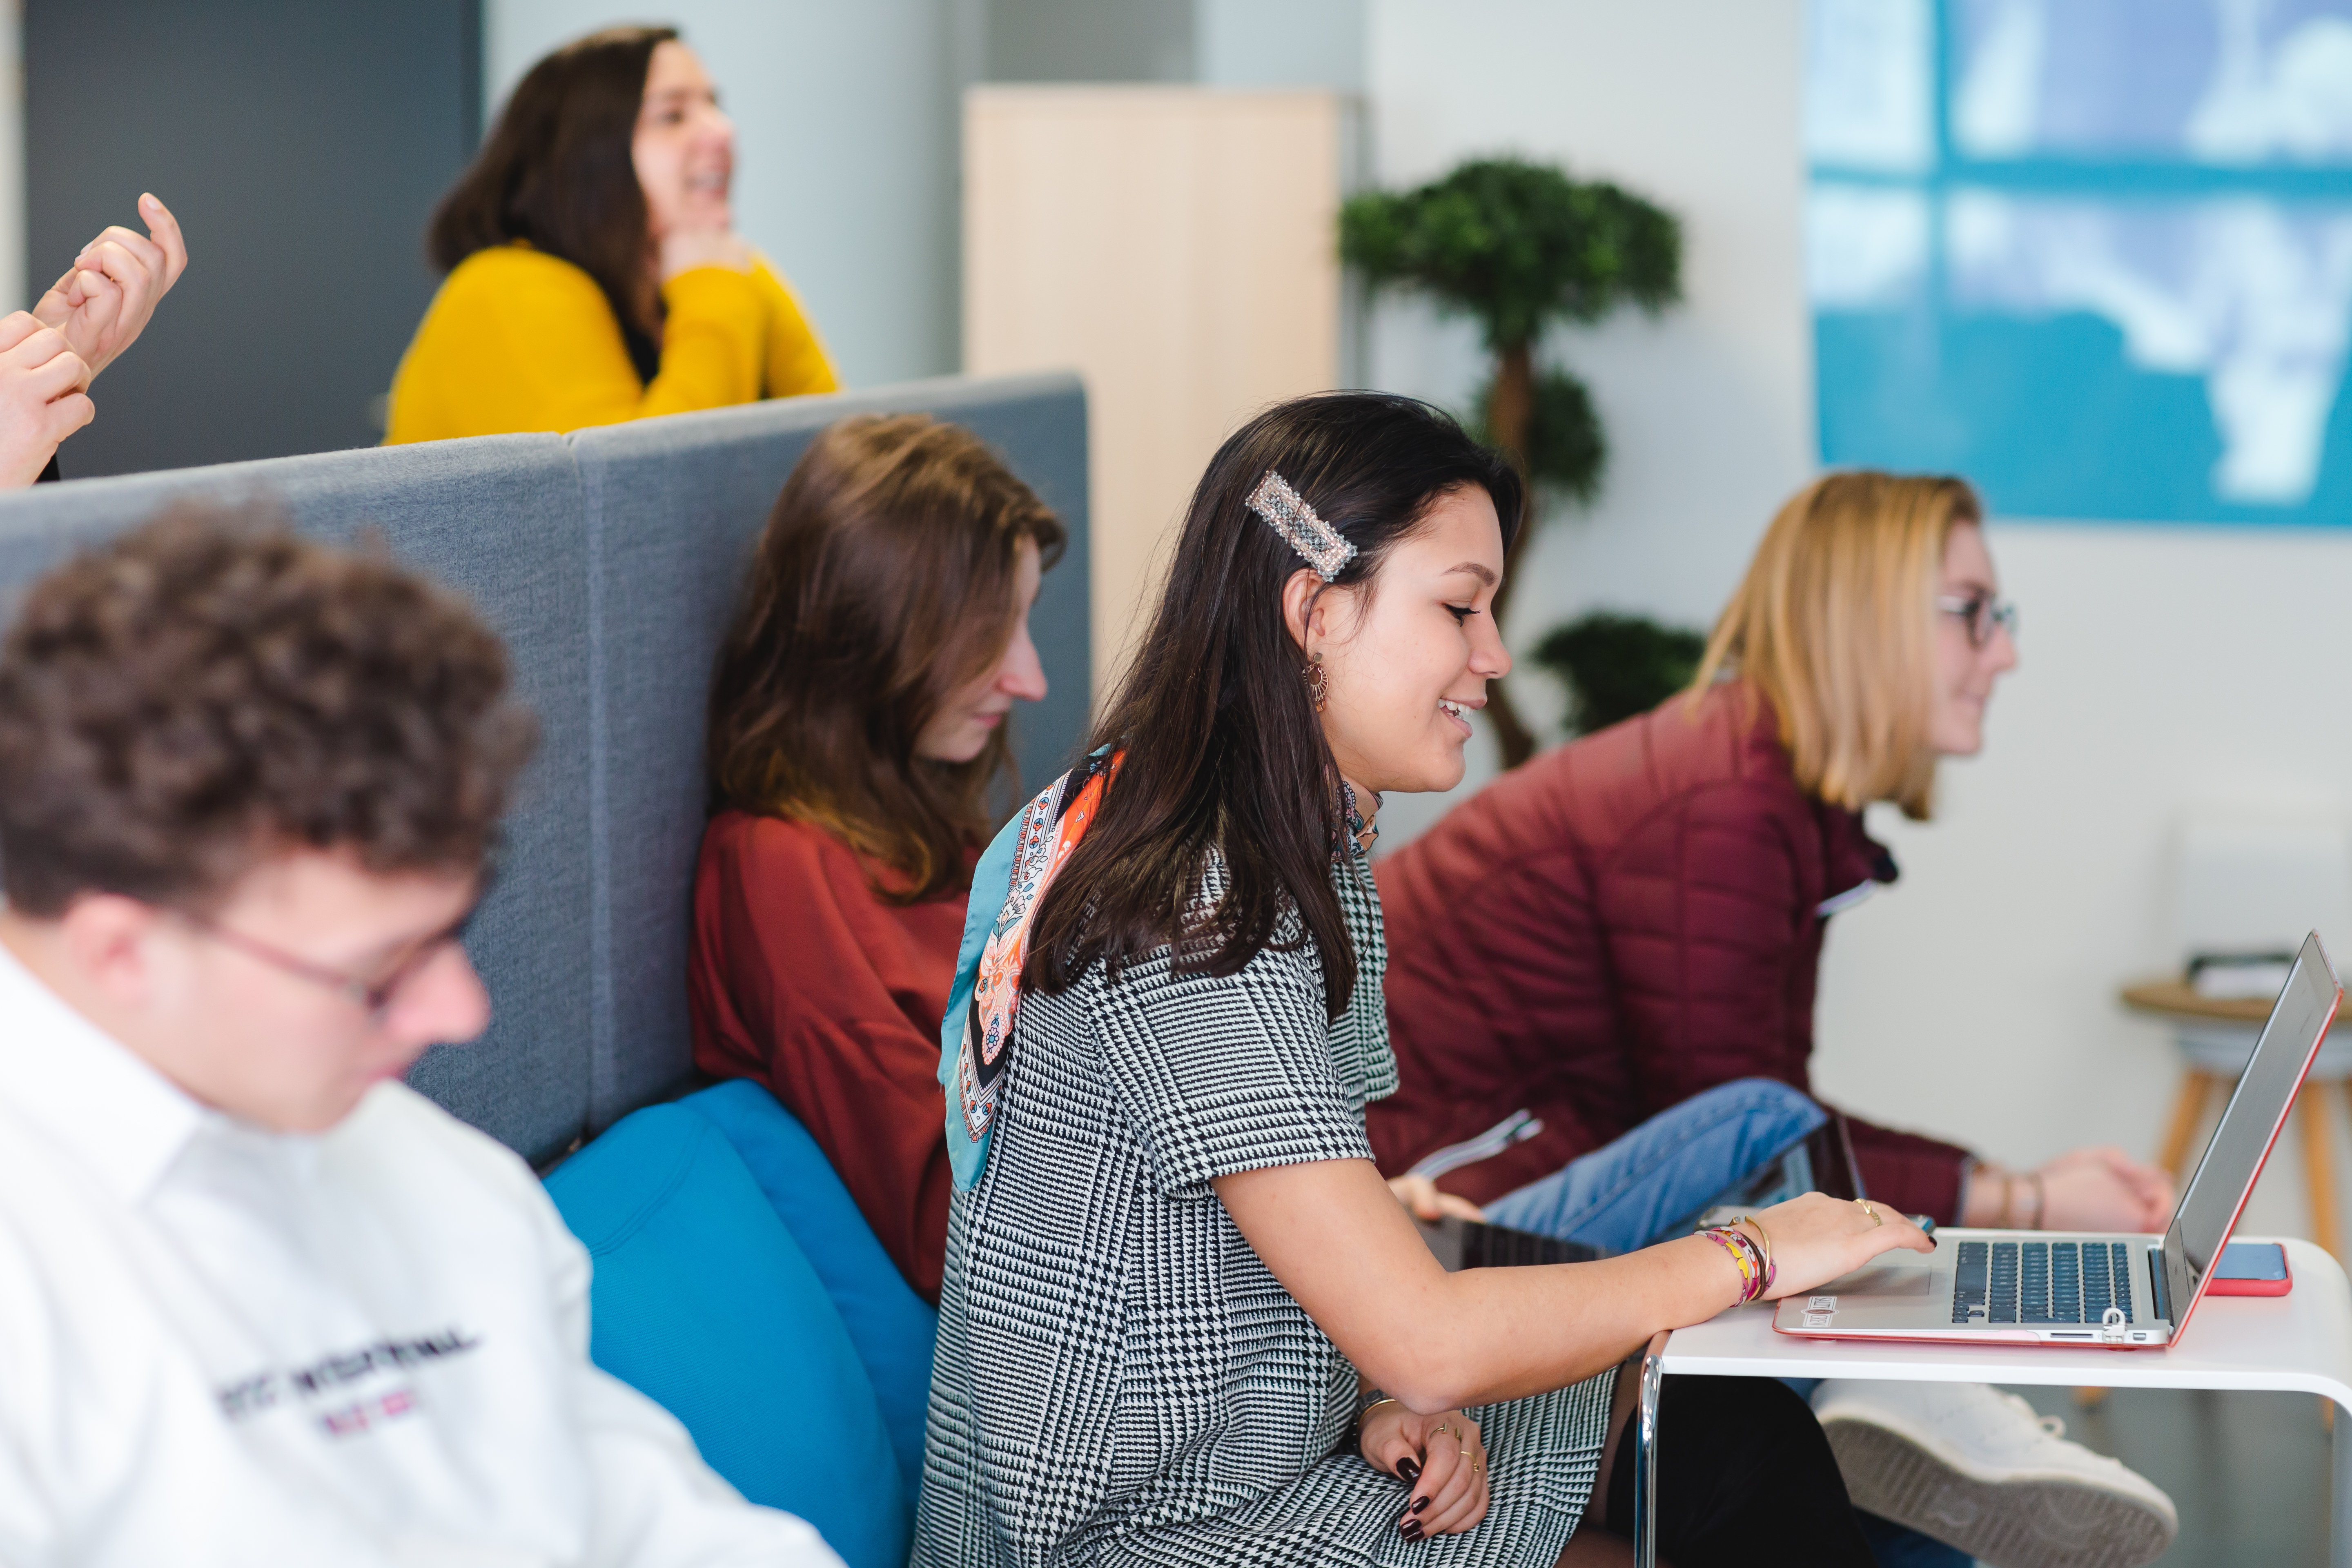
(2034, 1287)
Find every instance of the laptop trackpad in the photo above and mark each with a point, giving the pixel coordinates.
(1896, 1290)
(1897, 1276)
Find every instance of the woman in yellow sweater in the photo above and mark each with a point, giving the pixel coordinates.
(595, 271)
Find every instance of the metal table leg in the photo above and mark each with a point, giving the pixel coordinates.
(2339, 1508)
(1645, 1457)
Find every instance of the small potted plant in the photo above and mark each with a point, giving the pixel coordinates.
(1616, 666)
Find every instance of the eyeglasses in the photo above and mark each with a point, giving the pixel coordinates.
(1980, 612)
(373, 997)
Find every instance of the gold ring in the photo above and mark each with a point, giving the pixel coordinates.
(1442, 1429)
(1865, 1207)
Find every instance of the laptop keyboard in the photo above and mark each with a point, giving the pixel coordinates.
(2040, 1281)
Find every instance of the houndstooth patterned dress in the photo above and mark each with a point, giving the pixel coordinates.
(1119, 1379)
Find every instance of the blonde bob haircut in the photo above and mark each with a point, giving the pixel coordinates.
(1834, 625)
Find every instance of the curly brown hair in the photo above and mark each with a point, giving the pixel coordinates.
(883, 582)
(209, 691)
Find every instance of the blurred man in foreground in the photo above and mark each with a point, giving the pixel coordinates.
(260, 1301)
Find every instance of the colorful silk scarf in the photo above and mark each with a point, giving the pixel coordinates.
(976, 1032)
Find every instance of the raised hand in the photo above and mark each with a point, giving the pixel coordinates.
(1815, 1239)
(106, 297)
(1441, 1457)
(43, 396)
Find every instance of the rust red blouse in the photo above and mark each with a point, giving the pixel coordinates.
(804, 978)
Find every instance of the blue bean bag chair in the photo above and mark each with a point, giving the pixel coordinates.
(892, 1326)
(703, 1300)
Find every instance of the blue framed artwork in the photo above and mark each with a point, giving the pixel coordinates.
(2095, 254)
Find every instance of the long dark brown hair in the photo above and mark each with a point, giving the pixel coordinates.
(883, 583)
(559, 170)
(1224, 751)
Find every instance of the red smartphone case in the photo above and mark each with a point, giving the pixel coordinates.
(2223, 1285)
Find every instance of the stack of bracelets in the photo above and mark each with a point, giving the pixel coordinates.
(1753, 1254)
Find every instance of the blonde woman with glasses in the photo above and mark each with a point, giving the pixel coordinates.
(1652, 901)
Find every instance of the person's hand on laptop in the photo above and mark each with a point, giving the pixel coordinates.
(1816, 1238)
(2105, 1189)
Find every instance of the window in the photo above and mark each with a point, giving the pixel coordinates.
(2095, 254)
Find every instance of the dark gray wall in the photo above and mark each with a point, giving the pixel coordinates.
(1090, 40)
(302, 144)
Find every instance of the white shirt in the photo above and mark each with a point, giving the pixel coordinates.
(225, 1346)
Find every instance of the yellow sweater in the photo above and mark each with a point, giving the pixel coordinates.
(519, 340)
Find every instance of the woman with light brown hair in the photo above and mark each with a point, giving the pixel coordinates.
(1869, 694)
(857, 727)
(1651, 903)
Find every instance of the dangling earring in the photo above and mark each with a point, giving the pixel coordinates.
(1315, 689)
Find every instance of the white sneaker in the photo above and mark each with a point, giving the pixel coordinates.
(1977, 1469)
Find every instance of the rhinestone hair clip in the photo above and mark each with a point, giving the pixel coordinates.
(1287, 513)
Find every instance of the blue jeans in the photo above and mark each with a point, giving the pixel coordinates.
(1714, 1147)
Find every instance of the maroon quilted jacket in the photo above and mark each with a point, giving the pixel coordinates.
(1612, 928)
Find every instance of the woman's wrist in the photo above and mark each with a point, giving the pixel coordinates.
(1367, 1401)
(1993, 1198)
(1983, 1186)
(1736, 1255)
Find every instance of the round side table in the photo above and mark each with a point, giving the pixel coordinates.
(2216, 1036)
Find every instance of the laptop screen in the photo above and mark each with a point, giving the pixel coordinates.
(2249, 1123)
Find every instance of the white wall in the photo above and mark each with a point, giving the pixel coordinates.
(1708, 408)
(2165, 668)
(1279, 43)
(845, 164)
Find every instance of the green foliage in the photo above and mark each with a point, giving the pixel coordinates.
(1519, 246)
(1566, 452)
(1618, 665)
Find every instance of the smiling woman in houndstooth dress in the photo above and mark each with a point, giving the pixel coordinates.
(1174, 1278)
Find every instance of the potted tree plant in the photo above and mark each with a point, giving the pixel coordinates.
(1519, 246)
(1615, 666)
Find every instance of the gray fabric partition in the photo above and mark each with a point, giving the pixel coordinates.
(673, 507)
(499, 519)
(610, 561)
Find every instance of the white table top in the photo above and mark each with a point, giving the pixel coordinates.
(2300, 1341)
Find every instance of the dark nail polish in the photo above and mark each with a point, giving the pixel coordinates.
(1410, 1529)
(1410, 1469)
(1419, 1505)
